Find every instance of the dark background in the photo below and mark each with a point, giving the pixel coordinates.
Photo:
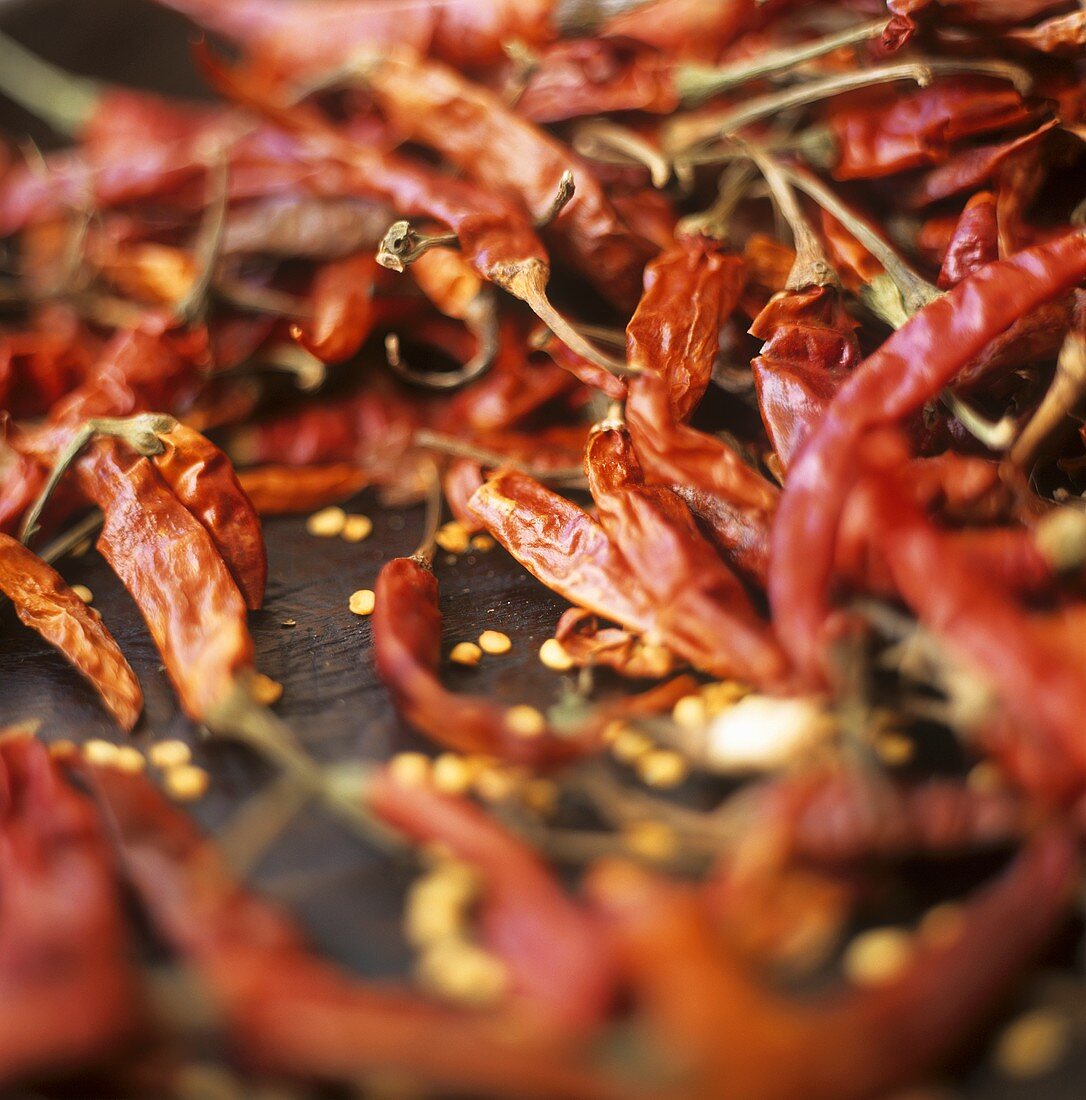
(347, 897)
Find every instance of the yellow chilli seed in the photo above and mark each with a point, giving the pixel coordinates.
(412, 769)
(169, 754)
(129, 759)
(554, 656)
(187, 783)
(877, 956)
(495, 642)
(83, 592)
(362, 602)
(357, 528)
(265, 690)
(328, 523)
(451, 774)
(662, 768)
(466, 653)
(97, 751)
(525, 721)
(453, 537)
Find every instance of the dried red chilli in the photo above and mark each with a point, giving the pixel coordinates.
(1035, 677)
(701, 610)
(564, 547)
(172, 569)
(970, 169)
(591, 644)
(407, 653)
(201, 477)
(436, 106)
(552, 946)
(974, 242)
(45, 603)
(63, 934)
(909, 369)
(810, 344)
(295, 37)
(491, 233)
(835, 817)
(284, 490)
(882, 135)
(727, 1030)
(342, 310)
(285, 1011)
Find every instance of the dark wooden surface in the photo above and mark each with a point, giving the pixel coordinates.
(347, 897)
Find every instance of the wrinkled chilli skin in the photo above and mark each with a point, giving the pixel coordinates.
(910, 368)
(71, 996)
(407, 651)
(45, 603)
(168, 562)
(287, 1012)
(202, 478)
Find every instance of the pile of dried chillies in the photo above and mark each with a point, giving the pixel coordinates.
(751, 329)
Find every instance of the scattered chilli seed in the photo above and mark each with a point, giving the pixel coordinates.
(494, 784)
(129, 759)
(540, 795)
(265, 690)
(652, 840)
(169, 754)
(894, 748)
(525, 721)
(690, 712)
(453, 537)
(187, 782)
(466, 653)
(410, 768)
(877, 956)
(482, 543)
(942, 924)
(662, 768)
(357, 528)
(553, 654)
(328, 523)
(100, 752)
(451, 774)
(630, 745)
(494, 642)
(463, 973)
(362, 602)
(1033, 1044)
(84, 593)
(63, 749)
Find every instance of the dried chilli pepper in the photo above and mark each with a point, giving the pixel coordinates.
(852, 1044)
(552, 946)
(910, 368)
(701, 609)
(63, 934)
(47, 605)
(201, 477)
(286, 1011)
